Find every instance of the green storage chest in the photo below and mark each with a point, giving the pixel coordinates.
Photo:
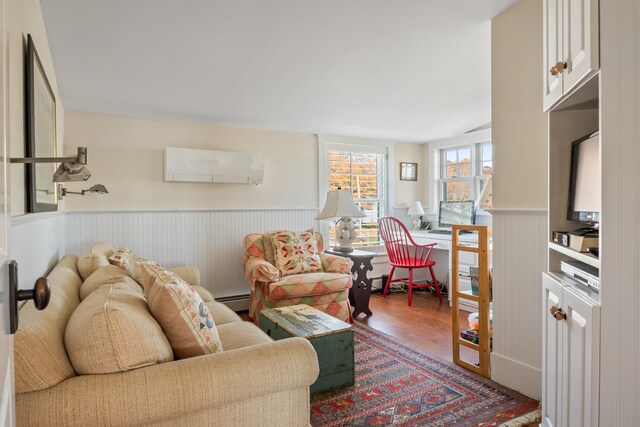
(331, 338)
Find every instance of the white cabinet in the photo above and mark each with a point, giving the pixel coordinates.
(571, 354)
(570, 45)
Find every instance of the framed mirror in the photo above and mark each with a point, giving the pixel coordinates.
(408, 171)
(40, 134)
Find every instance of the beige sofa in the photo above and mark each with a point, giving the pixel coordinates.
(254, 381)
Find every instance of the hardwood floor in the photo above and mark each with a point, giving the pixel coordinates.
(425, 325)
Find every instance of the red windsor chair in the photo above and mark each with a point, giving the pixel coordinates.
(404, 252)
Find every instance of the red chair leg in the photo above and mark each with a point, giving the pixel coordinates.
(386, 287)
(410, 285)
(435, 283)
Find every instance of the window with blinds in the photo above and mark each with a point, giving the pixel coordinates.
(360, 169)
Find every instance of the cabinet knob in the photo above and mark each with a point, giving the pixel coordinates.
(558, 68)
(557, 313)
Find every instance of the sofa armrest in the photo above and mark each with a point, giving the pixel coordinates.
(258, 270)
(169, 390)
(190, 274)
(335, 263)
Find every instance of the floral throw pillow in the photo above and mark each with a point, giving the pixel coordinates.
(181, 313)
(127, 260)
(295, 252)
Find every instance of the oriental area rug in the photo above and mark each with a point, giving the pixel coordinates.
(397, 385)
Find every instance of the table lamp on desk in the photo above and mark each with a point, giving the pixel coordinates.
(416, 211)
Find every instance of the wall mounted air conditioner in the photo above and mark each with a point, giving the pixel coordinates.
(191, 165)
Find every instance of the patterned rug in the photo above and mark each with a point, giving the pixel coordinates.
(397, 385)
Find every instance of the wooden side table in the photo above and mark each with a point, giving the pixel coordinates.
(361, 290)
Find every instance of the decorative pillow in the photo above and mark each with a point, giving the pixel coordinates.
(93, 258)
(180, 311)
(112, 330)
(295, 252)
(268, 249)
(127, 260)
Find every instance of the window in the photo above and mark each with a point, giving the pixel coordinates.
(361, 169)
(464, 170)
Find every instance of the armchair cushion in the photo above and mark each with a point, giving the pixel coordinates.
(308, 284)
(295, 252)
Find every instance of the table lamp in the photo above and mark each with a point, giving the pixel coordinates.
(416, 211)
(340, 204)
(485, 200)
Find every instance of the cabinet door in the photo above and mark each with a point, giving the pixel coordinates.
(552, 48)
(581, 361)
(551, 353)
(580, 40)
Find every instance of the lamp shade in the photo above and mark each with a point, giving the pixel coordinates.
(485, 200)
(340, 203)
(415, 209)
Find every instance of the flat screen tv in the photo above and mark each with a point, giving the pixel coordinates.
(457, 213)
(584, 187)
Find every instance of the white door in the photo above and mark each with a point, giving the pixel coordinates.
(581, 40)
(552, 48)
(7, 417)
(551, 353)
(581, 361)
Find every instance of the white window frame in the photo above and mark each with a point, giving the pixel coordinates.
(470, 140)
(328, 142)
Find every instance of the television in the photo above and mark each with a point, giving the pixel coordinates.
(457, 213)
(584, 186)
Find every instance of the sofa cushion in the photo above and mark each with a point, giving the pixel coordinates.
(112, 330)
(204, 294)
(221, 313)
(309, 284)
(295, 252)
(107, 275)
(40, 357)
(241, 334)
(93, 258)
(183, 316)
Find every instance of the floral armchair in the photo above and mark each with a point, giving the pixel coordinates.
(326, 290)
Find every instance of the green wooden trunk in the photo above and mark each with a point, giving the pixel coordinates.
(331, 338)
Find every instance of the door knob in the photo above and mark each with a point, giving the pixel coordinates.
(558, 68)
(40, 294)
(557, 313)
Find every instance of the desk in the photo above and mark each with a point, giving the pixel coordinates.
(442, 256)
(361, 290)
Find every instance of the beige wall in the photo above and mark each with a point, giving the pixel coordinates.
(519, 127)
(25, 17)
(126, 155)
(407, 192)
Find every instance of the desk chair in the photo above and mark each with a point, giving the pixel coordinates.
(403, 252)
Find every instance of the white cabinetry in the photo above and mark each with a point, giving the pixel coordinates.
(571, 354)
(571, 46)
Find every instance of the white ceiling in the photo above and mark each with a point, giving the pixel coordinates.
(406, 70)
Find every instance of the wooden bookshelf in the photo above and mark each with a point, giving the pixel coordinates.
(483, 298)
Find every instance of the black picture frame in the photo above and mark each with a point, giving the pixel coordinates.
(40, 130)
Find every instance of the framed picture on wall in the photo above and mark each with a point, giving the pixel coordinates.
(40, 134)
(408, 171)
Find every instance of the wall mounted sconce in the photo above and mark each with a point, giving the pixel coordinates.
(98, 188)
(72, 168)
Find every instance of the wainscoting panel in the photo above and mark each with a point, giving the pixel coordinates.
(36, 242)
(519, 258)
(209, 240)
